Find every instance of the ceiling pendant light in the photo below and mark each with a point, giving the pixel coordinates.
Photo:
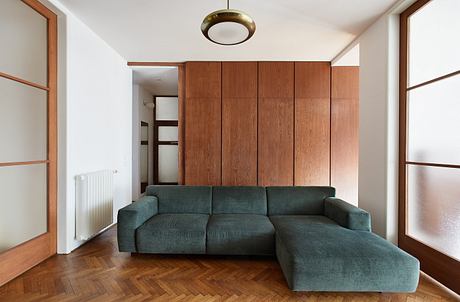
(228, 26)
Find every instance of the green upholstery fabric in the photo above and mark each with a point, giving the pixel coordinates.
(347, 215)
(297, 200)
(316, 254)
(130, 218)
(240, 234)
(173, 234)
(239, 200)
(182, 199)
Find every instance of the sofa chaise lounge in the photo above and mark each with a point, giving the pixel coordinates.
(321, 242)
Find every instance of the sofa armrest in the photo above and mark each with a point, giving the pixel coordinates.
(130, 218)
(347, 215)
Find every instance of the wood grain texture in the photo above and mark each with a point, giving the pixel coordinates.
(203, 80)
(312, 123)
(345, 132)
(276, 124)
(203, 145)
(239, 123)
(312, 141)
(276, 142)
(203, 141)
(98, 272)
(239, 79)
(312, 80)
(276, 79)
(239, 142)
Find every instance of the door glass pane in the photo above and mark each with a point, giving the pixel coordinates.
(23, 117)
(433, 196)
(167, 133)
(144, 133)
(23, 204)
(434, 122)
(24, 42)
(166, 108)
(144, 158)
(167, 163)
(433, 41)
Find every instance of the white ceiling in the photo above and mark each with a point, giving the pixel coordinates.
(169, 30)
(157, 80)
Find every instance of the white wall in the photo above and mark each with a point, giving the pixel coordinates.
(94, 119)
(379, 116)
(141, 113)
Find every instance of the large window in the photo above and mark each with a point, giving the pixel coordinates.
(430, 137)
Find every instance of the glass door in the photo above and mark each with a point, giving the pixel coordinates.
(430, 138)
(166, 136)
(28, 136)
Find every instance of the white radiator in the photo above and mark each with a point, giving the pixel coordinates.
(94, 203)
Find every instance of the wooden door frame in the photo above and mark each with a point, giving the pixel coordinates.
(181, 114)
(436, 264)
(24, 256)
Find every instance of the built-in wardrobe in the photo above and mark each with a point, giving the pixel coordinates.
(271, 124)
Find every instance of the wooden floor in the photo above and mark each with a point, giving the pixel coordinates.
(98, 272)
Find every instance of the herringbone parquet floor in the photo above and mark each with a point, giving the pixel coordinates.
(98, 272)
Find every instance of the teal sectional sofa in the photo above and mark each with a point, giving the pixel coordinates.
(321, 242)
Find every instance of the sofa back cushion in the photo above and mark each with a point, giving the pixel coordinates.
(182, 199)
(297, 200)
(239, 200)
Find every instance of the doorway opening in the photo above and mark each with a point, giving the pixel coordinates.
(156, 126)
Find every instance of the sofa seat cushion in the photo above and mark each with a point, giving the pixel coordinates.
(316, 254)
(240, 234)
(173, 234)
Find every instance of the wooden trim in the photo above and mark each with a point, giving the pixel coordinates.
(434, 80)
(16, 79)
(433, 165)
(153, 64)
(438, 265)
(52, 125)
(24, 163)
(21, 258)
(166, 123)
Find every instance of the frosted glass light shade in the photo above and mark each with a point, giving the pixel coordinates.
(228, 27)
(228, 33)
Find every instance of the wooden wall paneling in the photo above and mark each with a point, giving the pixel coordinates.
(203, 145)
(239, 123)
(203, 80)
(276, 124)
(276, 142)
(345, 132)
(312, 123)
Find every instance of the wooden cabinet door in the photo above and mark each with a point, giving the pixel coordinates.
(312, 123)
(276, 124)
(203, 123)
(239, 123)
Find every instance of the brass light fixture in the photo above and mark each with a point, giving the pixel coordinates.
(228, 26)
